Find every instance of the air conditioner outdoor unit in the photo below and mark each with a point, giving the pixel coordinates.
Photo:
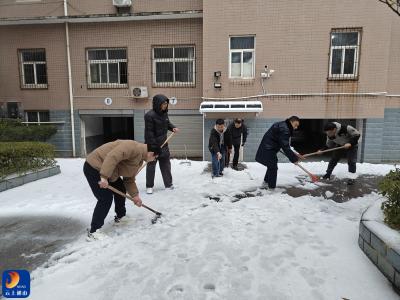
(122, 3)
(139, 92)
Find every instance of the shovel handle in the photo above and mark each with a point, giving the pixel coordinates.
(145, 163)
(114, 190)
(324, 151)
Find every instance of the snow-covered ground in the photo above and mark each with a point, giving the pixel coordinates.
(267, 247)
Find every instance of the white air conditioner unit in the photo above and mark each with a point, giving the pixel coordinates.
(139, 92)
(122, 3)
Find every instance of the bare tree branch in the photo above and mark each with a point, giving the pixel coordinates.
(393, 4)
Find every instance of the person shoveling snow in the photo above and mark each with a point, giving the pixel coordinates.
(104, 167)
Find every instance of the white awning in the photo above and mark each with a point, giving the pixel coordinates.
(231, 106)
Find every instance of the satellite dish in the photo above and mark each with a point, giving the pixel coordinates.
(107, 101)
(173, 100)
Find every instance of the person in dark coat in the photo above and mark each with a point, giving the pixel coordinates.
(237, 129)
(276, 138)
(342, 135)
(156, 126)
(219, 141)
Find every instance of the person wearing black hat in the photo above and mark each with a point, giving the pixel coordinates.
(276, 138)
(156, 126)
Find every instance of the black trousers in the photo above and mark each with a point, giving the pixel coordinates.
(236, 149)
(272, 169)
(104, 197)
(165, 167)
(351, 155)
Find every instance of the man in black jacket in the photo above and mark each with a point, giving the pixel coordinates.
(156, 126)
(277, 137)
(236, 130)
(219, 140)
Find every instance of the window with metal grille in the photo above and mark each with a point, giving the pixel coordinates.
(344, 53)
(37, 116)
(107, 68)
(33, 68)
(174, 66)
(241, 57)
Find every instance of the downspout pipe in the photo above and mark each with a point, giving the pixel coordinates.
(71, 96)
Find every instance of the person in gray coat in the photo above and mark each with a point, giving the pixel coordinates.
(342, 135)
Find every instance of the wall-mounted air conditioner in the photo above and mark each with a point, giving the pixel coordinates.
(122, 3)
(139, 92)
(231, 106)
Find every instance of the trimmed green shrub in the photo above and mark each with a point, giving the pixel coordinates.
(390, 188)
(12, 130)
(20, 157)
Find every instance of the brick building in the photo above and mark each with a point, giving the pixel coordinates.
(96, 65)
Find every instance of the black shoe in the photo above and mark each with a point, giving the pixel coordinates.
(326, 177)
(221, 174)
(235, 168)
(117, 219)
(351, 181)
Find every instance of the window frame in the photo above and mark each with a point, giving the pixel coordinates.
(174, 83)
(35, 85)
(253, 51)
(38, 116)
(107, 61)
(357, 55)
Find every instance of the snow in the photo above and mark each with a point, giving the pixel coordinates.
(373, 219)
(329, 194)
(270, 246)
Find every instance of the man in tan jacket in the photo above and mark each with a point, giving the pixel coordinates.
(105, 166)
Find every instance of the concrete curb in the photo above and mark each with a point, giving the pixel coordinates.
(384, 255)
(12, 182)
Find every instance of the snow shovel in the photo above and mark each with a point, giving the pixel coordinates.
(313, 177)
(145, 163)
(186, 161)
(157, 214)
(324, 151)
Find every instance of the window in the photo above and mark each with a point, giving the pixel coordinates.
(37, 116)
(241, 57)
(107, 68)
(174, 66)
(344, 54)
(33, 68)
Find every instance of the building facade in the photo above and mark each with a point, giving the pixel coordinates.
(92, 67)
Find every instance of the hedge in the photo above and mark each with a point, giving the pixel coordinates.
(20, 157)
(12, 130)
(390, 188)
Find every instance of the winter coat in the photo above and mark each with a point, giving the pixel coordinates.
(236, 133)
(215, 139)
(119, 158)
(157, 124)
(344, 134)
(277, 137)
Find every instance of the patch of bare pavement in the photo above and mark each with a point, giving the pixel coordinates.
(337, 189)
(27, 242)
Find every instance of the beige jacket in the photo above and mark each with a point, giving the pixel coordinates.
(119, 158)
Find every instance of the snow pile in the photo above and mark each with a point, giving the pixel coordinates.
(270, 246)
